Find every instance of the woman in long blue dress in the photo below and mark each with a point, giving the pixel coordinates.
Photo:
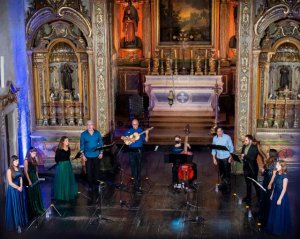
(35, 203)
(267, 172)
(279, 220)
(15, 209)
(65, 187)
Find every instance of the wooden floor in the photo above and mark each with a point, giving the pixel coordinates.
(159, 212)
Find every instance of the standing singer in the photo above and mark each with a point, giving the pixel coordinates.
(223, 159)
(135, 153)
(90, 139)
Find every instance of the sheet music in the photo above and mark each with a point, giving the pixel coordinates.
(257, 184)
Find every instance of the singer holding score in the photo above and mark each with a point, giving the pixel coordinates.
(90, 139)
(222, 159)
(135, 152)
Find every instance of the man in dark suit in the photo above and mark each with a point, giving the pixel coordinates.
(250, 167)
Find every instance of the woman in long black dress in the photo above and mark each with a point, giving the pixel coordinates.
(267, 172)
(15, 208)
(35, 203)
(279, 220)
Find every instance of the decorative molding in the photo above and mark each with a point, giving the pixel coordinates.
(101, 74)
(243, 120)
(48, 14)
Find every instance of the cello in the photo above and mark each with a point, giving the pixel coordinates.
(186, 171)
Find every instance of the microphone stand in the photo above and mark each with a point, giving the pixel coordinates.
(121, 186)
(98, 210)
(198, 219)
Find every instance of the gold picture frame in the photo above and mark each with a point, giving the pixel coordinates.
(185, 16)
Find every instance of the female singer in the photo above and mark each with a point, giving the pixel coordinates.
(65, 187)
(15, 210)
(279, 220)
(267, 172)
(35, 203)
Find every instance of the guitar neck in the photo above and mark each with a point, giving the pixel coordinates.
(145, 131)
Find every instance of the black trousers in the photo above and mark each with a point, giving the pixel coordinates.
(93, 171)
(135, 160)
(249, 183)
(225, 173)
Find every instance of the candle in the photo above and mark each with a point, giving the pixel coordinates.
(2, 71)
(191, 53)
(205, 53)
(149, 54)
(175, 53)
(162, 53)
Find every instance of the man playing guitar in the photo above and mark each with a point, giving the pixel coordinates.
(135, 145)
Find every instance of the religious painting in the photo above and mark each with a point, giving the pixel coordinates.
(191, 17)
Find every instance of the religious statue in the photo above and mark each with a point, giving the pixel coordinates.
(284, 78)
(66, 72)
(130, 24)
(212, 64)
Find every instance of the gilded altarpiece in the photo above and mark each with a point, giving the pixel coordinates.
(268, 74)
(67, 64)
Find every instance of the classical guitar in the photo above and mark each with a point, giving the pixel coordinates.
(134, 137)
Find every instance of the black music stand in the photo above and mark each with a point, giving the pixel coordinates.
(178, 158)
(236, 158)
(217, 147)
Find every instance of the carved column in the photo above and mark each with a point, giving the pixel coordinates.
(244, 66)
(101, 78)
(255, 92)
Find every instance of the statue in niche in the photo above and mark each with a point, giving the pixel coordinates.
(66, 72)
(284, 78)
(130, 27)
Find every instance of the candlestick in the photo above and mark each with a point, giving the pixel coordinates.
(2, 71)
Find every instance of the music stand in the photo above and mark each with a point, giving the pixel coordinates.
(178, 158)
(217, 147)
(236, 158)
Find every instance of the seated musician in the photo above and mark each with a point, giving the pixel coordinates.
(178, 148)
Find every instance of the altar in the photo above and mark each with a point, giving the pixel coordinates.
(195, 93)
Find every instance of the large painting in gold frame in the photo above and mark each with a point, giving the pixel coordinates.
(194, 17)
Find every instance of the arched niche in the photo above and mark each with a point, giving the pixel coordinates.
(279, 73)
(60, 75)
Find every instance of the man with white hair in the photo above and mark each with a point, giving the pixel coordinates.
(135, 152)
(90, 139)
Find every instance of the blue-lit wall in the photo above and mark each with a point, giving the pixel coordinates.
(16, 35)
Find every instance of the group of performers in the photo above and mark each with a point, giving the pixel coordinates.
(273, 204)
(272, 197)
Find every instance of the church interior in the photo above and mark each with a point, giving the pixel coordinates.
(171, 64)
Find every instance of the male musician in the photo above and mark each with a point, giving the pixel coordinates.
(223, 159)
(250, 167)
(177, 148)
(135, 153)
(90, 139)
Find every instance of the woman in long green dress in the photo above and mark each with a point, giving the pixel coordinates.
(35, 203)
(65, 187)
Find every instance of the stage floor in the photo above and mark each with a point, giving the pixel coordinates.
(159, 212)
